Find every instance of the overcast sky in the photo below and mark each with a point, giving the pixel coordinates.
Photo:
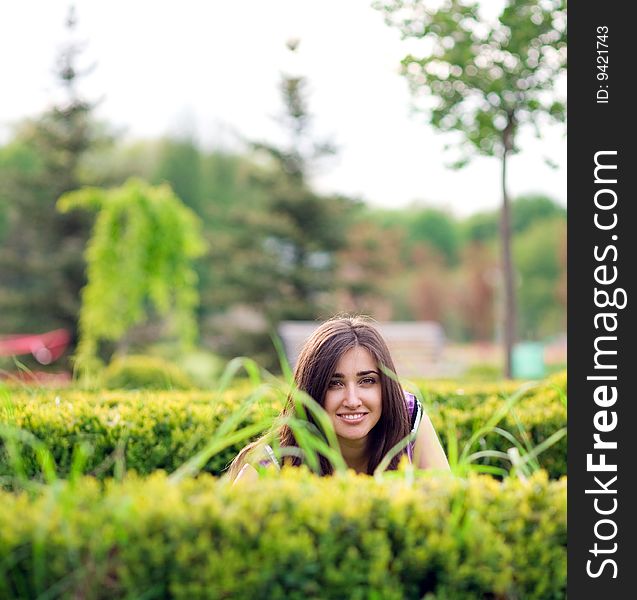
(212, 67)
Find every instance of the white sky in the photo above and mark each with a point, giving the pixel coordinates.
(213, 66)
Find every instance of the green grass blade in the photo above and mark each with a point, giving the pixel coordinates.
(496, 418)
(394, 451)
(281, 355)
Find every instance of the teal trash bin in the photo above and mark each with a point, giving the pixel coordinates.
(528, 361)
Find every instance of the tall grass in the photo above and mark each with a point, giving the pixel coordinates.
(521, 460)
(314, 441)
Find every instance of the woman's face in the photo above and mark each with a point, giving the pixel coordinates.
(354, 399)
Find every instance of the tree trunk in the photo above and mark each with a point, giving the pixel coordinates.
(507, 263)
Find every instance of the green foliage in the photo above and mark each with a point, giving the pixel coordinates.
(438, 229)
(139, 255)
(540, 254)
(482, 372)
(109, 166)
(288, 536)
(539, 249)
(147, 431)
(481, 227)
(163, 429)
(485, 78)
(301, 230)
(530, 422)
(144, 372)
(469, 394)
(41, 263)
(204, 369)
(382, 268)
(180, 165)
(488, 77)
(527, 211)
(16, 158)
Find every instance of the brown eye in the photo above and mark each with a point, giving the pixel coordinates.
(334, 383)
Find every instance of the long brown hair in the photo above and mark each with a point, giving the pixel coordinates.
(314, 369)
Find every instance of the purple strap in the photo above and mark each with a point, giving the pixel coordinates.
(410, 400)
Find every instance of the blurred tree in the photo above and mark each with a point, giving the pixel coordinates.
(368, 265)
(17, 160)
(290, 244)
(438, 229)
(526, 211)
(227, 184)
(489, 77)
(139, 257)
(480, 227)
(180, 165)
(541, 269)
(41, 266)
(233, 206)
(430, 289)
(476, 290)
(304, 229)
(112, 165)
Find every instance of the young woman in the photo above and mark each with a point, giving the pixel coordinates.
(342, 366)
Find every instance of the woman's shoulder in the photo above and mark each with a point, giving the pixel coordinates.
(247, 473)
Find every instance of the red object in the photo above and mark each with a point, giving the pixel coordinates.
(45, 347)
(39, 378)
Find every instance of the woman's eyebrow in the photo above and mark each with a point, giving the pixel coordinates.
(359, 374)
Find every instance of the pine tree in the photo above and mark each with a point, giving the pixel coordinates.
(41, 264)
(304, 229)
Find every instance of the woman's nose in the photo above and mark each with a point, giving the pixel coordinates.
(351, 399)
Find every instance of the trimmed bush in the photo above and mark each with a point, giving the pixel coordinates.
(136, 372)
(532, 420)
(465, 407)
(469, 394)
(145, 431)
(161, 430)
(287, 536)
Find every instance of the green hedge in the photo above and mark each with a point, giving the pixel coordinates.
(533, 419)
(461, 394)
(160, 430)
(151, 430)
(287, 536)
(137, 371)
(539, 413)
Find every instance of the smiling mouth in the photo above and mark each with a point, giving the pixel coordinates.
(352, 417)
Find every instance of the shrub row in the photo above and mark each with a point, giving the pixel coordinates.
(146, 430)
(289, 536)
(160, 430)
(539, 413)
(531, 421)
(145, 372)
(466, 394)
